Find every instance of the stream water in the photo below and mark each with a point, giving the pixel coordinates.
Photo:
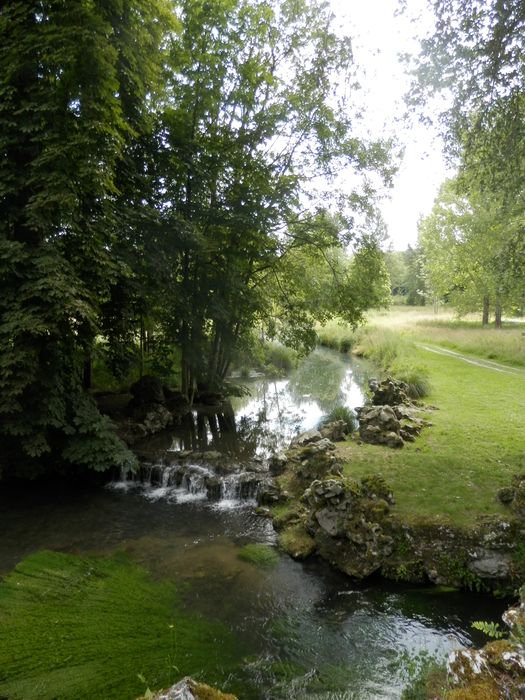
(305, 630)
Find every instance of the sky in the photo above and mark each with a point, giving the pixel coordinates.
(378, 36)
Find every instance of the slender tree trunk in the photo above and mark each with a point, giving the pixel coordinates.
(486, 308)
(141, 345)
(214, 357)
(497, 313)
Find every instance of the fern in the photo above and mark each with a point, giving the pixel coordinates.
(491, 629)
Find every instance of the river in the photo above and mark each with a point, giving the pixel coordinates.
(302, 629)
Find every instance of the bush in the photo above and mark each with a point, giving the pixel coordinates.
(278, 359)
(341, 413)
(416, 379)
(392, 352)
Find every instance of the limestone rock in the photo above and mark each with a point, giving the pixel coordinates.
(491, 564)
(188, 689)
(277, 464)
(335, 431)
(345, 519)
(306, 438)
(391, 392)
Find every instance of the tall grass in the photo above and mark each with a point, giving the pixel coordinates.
(336, 336)
(505, 345)
(394, 354)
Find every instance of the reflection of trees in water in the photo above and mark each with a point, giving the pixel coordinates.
(276, 410)
(320, 375)
(363, 371)
(273, 423)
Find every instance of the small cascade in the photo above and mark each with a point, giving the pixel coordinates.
(193, 485)
(186, 482)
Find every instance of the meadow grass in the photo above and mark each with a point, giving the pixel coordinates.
(477, 442)
(506, 345)
(337, 336)
(466, 335)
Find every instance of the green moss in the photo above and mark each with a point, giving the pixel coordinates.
(259, 554)
(73, 628)
(297, 542)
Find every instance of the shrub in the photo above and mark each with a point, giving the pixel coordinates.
(341, 413)
(416, 379)
(278, 359)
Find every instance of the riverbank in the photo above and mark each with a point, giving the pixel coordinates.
(448, 519)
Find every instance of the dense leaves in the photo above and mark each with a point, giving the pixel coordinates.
(167, 186)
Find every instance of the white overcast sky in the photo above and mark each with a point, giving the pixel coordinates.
(378, 36)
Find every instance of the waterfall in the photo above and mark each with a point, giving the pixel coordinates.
(186, 482)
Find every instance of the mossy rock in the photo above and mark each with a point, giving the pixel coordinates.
(484, 689)
(289, 516)
(86, 627)
(206, 692)
(200, 691)
(296, 542)
(262, 555)
(407, 571)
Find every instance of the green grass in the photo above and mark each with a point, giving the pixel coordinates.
(73, 628)
(506, 345)
(262, 555)
(337, 336)
(477, 442)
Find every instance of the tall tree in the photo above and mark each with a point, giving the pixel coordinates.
(465, 243)
(253, 115)
(475, 59)
(71, 92)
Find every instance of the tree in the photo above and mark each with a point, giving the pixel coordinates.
(70, 101)
(465, 247)
(252, 116)
(475, 59)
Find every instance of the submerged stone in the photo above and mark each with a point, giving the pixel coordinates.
(189, 689)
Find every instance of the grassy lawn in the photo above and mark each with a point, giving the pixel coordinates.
(476, 443)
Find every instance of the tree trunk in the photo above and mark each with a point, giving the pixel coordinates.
(497, 313)
(486, 307)
(142, 343)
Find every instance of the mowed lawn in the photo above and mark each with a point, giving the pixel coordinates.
(476, 444)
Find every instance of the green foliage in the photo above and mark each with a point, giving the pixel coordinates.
(70, 103)
(262, 555)
(491, 629)
(336, 335)
(341, 413)
(156, 162)
(475, 56)
(416, 378)
(466, 241)
(89, 627)
(278, 360)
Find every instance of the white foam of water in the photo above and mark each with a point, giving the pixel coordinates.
(156, 494)
(233, 503)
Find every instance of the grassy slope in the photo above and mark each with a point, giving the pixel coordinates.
(477, 442)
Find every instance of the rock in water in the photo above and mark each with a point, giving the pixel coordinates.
(188, 689)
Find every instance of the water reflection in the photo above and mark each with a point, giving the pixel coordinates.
(274, 410)
(277, 410)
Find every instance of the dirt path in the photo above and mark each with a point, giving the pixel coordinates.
(477, 362)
